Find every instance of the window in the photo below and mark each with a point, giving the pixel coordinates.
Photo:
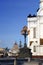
(34, 49)
(34, 32)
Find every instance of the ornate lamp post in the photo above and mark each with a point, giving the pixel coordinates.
(25, 52)
(25, 32)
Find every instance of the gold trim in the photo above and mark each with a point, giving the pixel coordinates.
(41, 41)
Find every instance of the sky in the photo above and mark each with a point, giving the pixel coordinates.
(13, 17)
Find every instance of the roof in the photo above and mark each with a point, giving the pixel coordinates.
(15, 47)
(31, 15)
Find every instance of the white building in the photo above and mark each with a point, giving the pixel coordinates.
(35, 38)
(14, 51)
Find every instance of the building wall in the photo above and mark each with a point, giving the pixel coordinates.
(34, 38)
(39, 50)
(32, 23)
(38, 24)
(41, 27)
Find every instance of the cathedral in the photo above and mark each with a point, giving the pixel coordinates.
(35, 38)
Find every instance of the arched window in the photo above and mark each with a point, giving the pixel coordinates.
(34, 32)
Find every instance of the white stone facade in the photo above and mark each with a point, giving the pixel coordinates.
(35, 25)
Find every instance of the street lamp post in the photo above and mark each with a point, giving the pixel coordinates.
(25, 32)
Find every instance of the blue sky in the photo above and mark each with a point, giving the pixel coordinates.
(13, 16)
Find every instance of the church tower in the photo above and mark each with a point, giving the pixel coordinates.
(40, 19)
(35, 25)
